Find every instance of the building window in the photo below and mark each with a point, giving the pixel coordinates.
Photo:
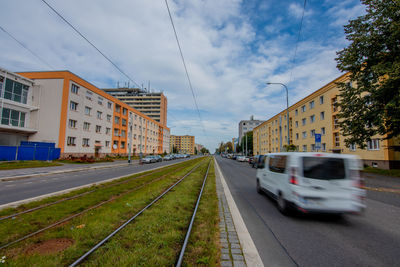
(99, 114)
(323, 130)
(304, 134)
(73, 106)
(323, 146)
(109, 105)
(74, 89)
(322, 115)
(134, 136)
(85, 142)
(107, 143)
(86, 126)
(312, 118)
(100, 100)
(116, 132)
(297, 124)
(312, 104)
(312, 147)
(89, 95)
(71, 141)
(13, 117)
(117, 108)
(334, 104)
(98, 128)
(296, 112)
(373, 144)
(123, 122)
(304, 148)
(108, 130)
(72, 123)
(297, 136)
(123, 132)
(352, 147)
(87, 111)
(109, 118)
(115, 145)
(337, 139)
(312, 133)
(124, 111)
(16, 91)
(122, 144)
(303, 108)
(321, 99)
(335, 122)
(304, 121)
(116, 120)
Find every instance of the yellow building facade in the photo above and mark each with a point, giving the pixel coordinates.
(183, 143)
(317, 114)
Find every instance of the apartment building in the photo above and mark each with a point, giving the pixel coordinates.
(318, 114)
(247, 126)
(198, 147)
(84, 120)
(17, 108)
(183, 143)
(152, 104)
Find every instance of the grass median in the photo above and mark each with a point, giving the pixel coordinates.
(82, 232)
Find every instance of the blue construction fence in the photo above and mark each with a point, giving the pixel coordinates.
(30, 151)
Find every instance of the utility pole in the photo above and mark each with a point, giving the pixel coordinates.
(141, 136)
(287, 110)
(246, 143)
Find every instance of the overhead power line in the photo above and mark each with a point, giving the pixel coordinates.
(184, 65)
(297, 41)
(24, 46)
(87, 40)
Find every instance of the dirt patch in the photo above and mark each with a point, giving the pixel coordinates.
(50, 246)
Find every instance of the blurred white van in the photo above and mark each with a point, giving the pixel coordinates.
(313, 182)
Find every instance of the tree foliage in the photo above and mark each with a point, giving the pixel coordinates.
(370, 104)
(249, 136)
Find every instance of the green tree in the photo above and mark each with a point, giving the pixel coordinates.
(370, 104)
(204, 151)
(249, 136)
(195, 150)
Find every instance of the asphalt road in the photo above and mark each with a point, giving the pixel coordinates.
(372, 239)
(16, 190)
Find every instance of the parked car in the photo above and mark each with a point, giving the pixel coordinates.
(257, 160)
(148, 159)
(241, 158)
(251, 160)
(158, 158)
(168, 157)
(234, 157)
(313, 182)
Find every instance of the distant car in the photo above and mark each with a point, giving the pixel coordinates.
(251, 160)
(241, 158)
(158, 158)
(168, 157)
(234, 157)
(313, 182)
(257, 160)
(148, 159)
(246, 159)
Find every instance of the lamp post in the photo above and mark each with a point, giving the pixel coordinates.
(287, 110)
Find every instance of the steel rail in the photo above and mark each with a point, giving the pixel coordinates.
(84, 256)
(180, 259)
(86, 210)
(85, 193)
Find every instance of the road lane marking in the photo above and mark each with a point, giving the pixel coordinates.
(383, 189)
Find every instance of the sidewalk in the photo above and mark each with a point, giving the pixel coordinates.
(67, 167)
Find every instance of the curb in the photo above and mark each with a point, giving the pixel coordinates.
(20, 202)
(20, 177)
(250, 251)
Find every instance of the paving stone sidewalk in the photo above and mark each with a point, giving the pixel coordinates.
(231, 251)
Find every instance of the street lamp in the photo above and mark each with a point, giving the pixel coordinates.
(287, 110)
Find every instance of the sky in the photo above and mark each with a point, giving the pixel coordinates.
(232, 48)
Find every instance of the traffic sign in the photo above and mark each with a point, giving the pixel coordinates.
(317, 141)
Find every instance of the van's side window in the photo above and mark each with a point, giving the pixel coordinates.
(277, 163)
(262, 160)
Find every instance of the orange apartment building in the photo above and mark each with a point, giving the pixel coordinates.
(84, 120)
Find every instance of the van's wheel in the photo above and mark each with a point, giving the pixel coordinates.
(259, 187)
(282, 204)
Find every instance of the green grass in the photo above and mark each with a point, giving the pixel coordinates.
(97, 224)
(393, 172)
(27, 164)
(203, 247)
(36, 220)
